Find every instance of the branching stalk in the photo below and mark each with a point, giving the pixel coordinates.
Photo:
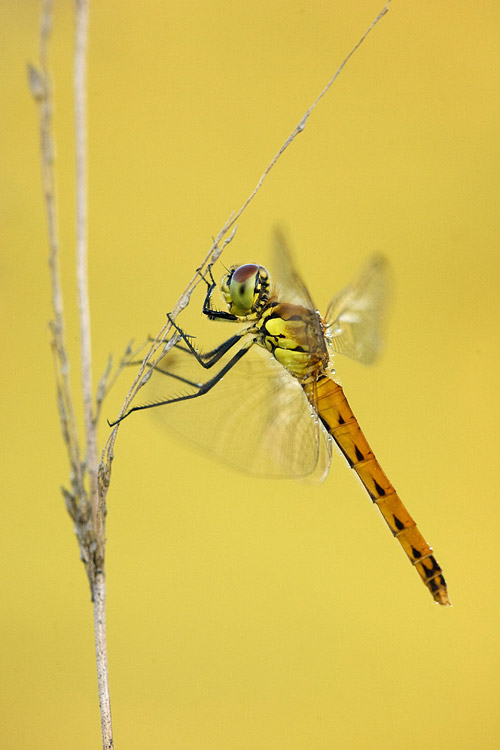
(84, 499)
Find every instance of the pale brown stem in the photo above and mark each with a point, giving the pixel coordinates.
(97, 578)
(295, 132)
(102, 659)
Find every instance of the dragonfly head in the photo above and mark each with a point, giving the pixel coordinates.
(246, 289)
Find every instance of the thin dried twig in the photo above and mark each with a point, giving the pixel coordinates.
(217, 248)
(41, 89)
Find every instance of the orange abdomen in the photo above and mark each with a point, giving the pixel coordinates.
(337, 417)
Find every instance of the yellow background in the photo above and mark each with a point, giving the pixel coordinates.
(243, 613)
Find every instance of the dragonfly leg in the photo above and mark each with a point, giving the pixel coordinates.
(202, 389)
(208, 310)
(208, 359)
(157, 368)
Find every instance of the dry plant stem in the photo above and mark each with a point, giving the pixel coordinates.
(298, 129)
(101, 651)
(82, 10)
(98, 580)
(216, 250)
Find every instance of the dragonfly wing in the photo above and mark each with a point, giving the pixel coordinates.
(355, 315)
(289, 283)
(290, 288)
(257, 418)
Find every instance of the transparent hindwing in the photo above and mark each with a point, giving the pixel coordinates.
(355, 316)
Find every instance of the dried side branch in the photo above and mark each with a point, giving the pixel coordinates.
(216, 249)
(41, 89)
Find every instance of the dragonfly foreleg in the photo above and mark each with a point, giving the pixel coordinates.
(208, 310)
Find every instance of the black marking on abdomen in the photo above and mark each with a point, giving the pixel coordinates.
(346, 456)
(324, 423)
(434, 567)
(359, 455)
(378, 488)
(436, 583)
(400, 526)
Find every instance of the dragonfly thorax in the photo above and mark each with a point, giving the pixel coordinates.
(246, 289)
(294, 336)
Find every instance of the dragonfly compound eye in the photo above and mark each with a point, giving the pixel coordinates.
(244, 287)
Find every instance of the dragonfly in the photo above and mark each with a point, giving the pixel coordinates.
(273, 407)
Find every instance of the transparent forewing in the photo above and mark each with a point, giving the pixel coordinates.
(355, 315)
(257, 418)
(288, 282)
